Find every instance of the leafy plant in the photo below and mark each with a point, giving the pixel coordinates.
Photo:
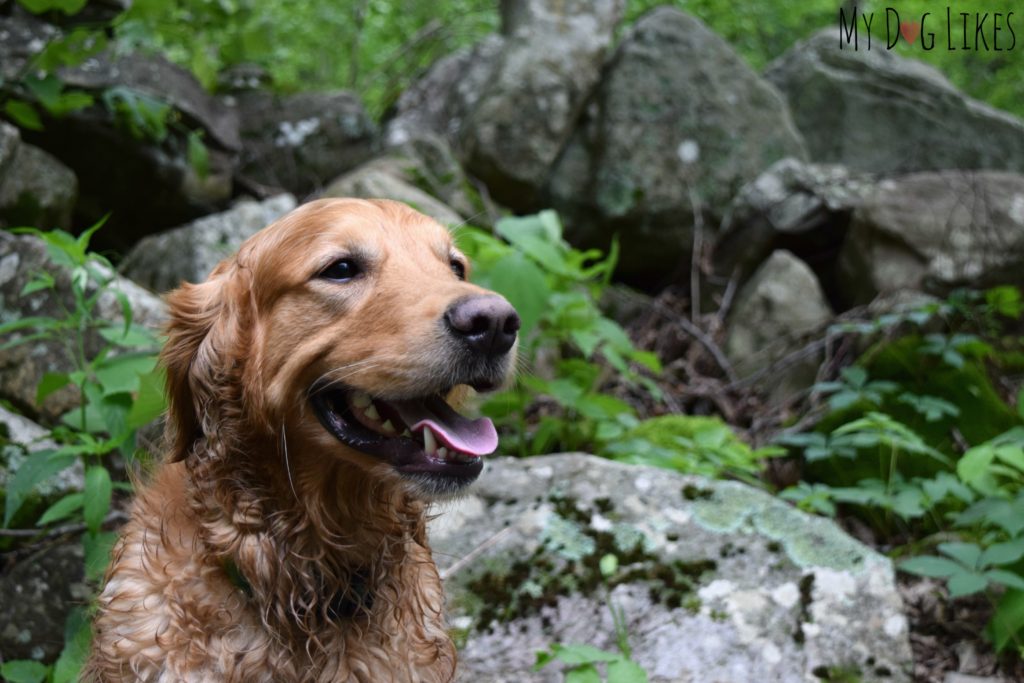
(119, 389)
(571, 346)
(690, 444)
(583, 661)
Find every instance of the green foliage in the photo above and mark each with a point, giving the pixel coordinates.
(583, 661)
(891, 447)
(690, 444)
(376, 48)
(120, 390)
(565, 338)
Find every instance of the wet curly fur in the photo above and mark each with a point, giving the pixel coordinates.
(263, 549)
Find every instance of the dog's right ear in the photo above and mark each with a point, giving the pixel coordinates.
(199, 356)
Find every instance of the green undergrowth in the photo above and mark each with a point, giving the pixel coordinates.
(921, 440)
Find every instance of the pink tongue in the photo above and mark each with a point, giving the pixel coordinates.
(475, 437)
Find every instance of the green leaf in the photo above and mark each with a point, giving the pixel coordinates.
(77, 638)
(1008, 620)
(626, 671)
(967, 583)
(96, 502)
(609, 564)
(198, 156)
(930, 565)
(583, 674)
(149, 402)
(97, 553)
(1002, 553)
(121, 374)
(1006, 578)
(37, 468)
(24, 671)
(23, 114)
(582, 654)
(50, 382)
(967, 554)
(62, 509)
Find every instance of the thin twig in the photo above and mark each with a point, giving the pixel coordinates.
(704, 339)
(698, 246)
(474, 553)
(115, 516)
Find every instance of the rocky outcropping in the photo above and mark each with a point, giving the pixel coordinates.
(782, 303)
(300, 142)
(199, 246)
(509, 104)
(550, 61)
(715, 581)
(802, 208)
(934, 232)
(677, 125)
(873, 110)
(386, 179)
(22, 366)
(35, 188)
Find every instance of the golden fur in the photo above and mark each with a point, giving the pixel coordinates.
(253, 481)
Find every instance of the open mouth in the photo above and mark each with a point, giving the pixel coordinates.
(419, 437)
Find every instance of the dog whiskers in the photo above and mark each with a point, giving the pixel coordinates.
(287, 464)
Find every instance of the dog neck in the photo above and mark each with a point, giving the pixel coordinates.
(311, 552)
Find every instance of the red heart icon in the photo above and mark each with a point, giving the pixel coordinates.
(910, 30)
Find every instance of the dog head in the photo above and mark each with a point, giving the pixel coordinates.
(348, 325)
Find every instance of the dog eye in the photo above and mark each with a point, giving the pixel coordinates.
(341, 270)
(459, 268)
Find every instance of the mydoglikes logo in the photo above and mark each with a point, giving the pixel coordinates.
(970, 31)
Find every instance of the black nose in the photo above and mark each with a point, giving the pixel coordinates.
(486, 323)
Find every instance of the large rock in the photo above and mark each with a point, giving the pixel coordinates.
(143, 179)
(23, 366)
(187, 254)
(716, 581)
(774, 310)
(384, 178)
(300, 142)
(509, 104)
(35, 598)
(875, 111)
(934, 232)
(550, 62)
(35, 188)
(802, 208)
(20, 437)
(439, 103)
(678, 118)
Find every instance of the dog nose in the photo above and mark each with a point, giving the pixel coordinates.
(487, 324)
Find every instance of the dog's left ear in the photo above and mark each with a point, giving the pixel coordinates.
(202, 358)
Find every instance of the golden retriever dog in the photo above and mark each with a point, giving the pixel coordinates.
(310, 381)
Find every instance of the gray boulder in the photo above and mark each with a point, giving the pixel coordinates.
(385, 178)
(439, 103)
(143, 178)
(800, 207)
(550, 62)
(187, 254)
(780, 305)
(934, 232)
(715, 581)
(678, 124)
(20, 437)
(23, 366)
(35, 598)
(300, 142)
(873, 110)
(35, 188)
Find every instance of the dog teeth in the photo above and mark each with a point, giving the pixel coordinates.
(407, 434)
(388, 428)
(429, 443)
(372, 413)
(361, 401)
(442, 453)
